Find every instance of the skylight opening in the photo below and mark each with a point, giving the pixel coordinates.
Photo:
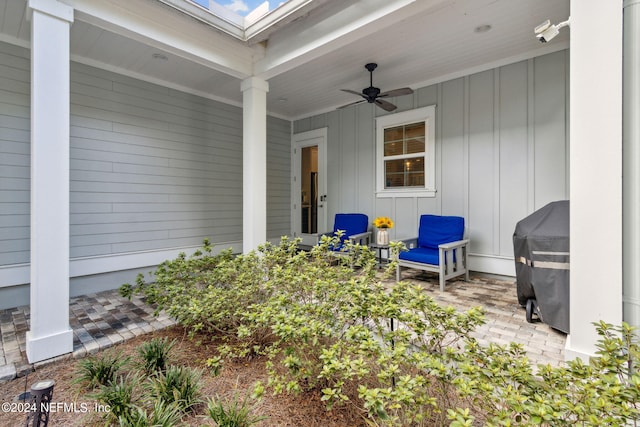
(239, 7)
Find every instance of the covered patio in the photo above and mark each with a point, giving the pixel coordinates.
(130, 131)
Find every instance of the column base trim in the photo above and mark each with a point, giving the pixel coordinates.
(573, 353)
(48, 346)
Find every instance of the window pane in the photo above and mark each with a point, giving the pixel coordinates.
(414, 135)
(415, 179)
(414, 165)
(414, 130)
(395, 166)
(406, 139)
(415, 172)
(404, 173)
(393, 134)
(393, 148)
(394, 173)
(415, 145)
(393, 139)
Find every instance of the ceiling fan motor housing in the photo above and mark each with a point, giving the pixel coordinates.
(371, 93)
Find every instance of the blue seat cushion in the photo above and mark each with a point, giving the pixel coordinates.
(435, 230)
(351, 223)
(421, 255)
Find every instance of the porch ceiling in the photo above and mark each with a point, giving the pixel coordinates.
(308, 60)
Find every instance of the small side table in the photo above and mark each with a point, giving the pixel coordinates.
(382, 253)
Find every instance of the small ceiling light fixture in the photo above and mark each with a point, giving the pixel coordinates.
(482, 28)
(545, 31)
(281, 99)
(160, 56)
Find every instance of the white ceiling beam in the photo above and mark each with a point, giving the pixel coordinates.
(332, 29)
(157, 25)
(259, 28)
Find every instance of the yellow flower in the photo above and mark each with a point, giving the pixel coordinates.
(383, 222)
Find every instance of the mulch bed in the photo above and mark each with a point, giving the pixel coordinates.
(236, 378)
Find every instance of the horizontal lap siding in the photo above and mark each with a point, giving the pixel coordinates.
(151, 167)
(14, 155)
(278, 178)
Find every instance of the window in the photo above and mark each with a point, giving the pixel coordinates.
(405, 145)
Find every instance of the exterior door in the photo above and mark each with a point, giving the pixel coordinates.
(309, 196)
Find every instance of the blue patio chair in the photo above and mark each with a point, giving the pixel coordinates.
(355, 227)
(440, 248)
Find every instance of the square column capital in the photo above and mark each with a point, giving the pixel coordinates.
(254, 83)
(52, 8)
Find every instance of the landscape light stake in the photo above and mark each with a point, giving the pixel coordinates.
(393, 345)
(41, 394)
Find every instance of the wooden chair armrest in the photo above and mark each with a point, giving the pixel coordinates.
(454, 245)
(360, 235)
(361, 238)
(410, 243)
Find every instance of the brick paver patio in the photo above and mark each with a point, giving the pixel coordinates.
(98, 321)
(505, 318)
(104, 319)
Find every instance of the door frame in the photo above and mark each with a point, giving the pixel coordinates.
(301, 140)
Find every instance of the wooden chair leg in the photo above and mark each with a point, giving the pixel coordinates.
(443, 267)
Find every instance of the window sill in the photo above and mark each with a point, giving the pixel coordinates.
(405, 193)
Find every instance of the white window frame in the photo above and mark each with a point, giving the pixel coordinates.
(426, 115)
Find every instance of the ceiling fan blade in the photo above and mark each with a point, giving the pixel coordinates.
(353, 92)
(397, 92)
(352, 103)
(385, 105)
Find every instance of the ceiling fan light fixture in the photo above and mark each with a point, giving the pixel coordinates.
(482, 28)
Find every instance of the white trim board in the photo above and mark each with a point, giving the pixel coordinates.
(14, 275)
(500, 265)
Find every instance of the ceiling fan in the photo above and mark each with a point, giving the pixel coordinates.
(372, 94)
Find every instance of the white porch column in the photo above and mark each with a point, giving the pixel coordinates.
(50, 334)
(596, 170)
(254, 163)
(631, 161)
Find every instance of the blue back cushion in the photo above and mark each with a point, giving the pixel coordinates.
(435, 230)
(351, 223)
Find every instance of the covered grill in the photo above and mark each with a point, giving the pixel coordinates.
(541, 249)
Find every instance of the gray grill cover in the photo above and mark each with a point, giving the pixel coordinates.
(541, 249)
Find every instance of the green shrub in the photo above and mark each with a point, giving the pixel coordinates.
(331, 323)
(179, 385)
(233, 413)
(161, 415)
(500, 385)
(156, 395)
(154, 355)
(94, 371)
(215, 365)
(203, 291)
(120, 397)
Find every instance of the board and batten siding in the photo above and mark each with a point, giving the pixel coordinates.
(153, 170)
(501, 153)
